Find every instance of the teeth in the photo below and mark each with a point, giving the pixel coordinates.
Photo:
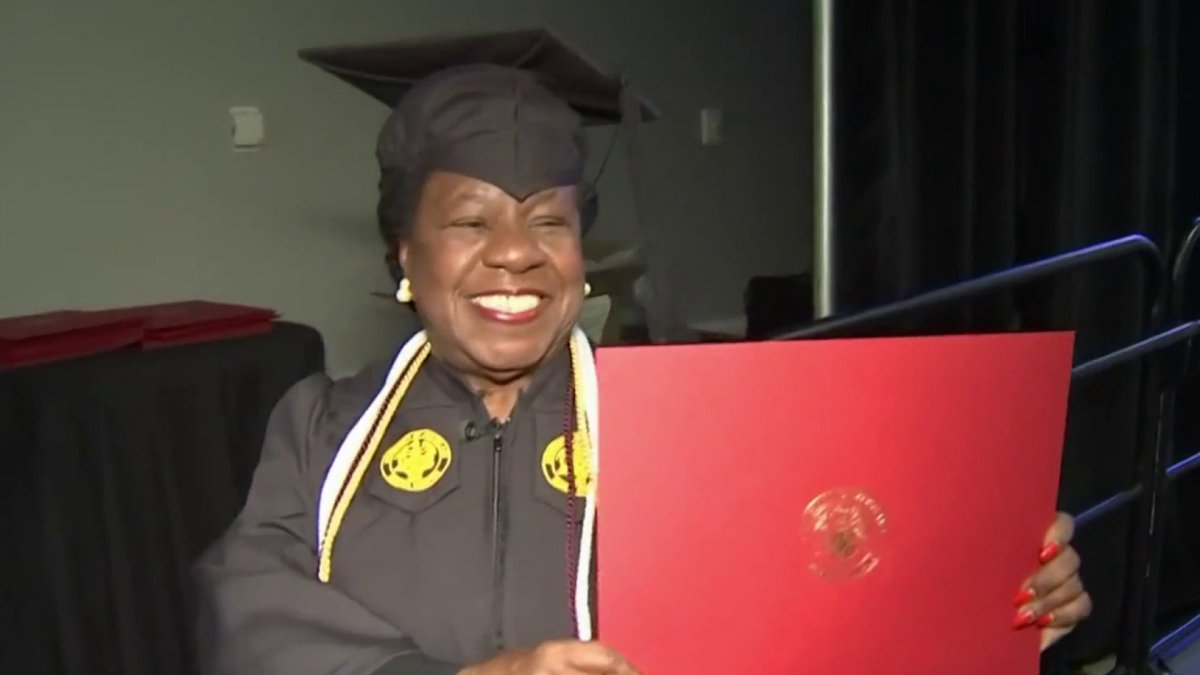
(508, 304)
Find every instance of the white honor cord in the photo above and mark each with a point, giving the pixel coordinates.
(343, 461)
(591, 401)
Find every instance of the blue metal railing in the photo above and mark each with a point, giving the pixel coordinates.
(1131, 246)
(1175, 641)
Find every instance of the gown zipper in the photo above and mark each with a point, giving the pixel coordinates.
(498, 534)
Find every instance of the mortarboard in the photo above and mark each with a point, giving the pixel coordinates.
(507, 108)
(388, 71)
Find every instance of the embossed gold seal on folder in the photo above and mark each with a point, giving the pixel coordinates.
(843, 531)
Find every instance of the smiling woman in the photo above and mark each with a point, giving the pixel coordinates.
(498, 281)
(435, 514)
(432, 515)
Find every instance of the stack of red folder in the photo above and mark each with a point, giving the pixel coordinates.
(42, 338)
(180, 323)
(57, 336)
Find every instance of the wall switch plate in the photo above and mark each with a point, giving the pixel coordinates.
(712, 126)
(249, 130)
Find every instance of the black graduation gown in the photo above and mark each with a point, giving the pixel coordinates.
(422, 582)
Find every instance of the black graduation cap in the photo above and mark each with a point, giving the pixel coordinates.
(387, 71)
(507, 108)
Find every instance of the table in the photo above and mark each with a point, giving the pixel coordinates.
(119, 470)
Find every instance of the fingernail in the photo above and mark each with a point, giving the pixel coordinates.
(1024, 596)
(1022, 619)
(1049, 552)
(1045, 620)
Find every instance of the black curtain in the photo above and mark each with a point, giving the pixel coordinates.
(1180, 592)
(120, 469)
(974, 135)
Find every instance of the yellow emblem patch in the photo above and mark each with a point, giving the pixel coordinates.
(554, 464)
(417, 461)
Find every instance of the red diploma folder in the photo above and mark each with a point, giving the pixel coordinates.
(846, 506)
(54, 336)
(180, 323)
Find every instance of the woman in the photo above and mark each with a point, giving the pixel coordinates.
(414, 519)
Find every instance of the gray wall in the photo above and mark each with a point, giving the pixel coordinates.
(118, 186)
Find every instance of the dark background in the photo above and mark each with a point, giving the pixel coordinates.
(971, 136)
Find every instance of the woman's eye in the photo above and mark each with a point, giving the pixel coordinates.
(469, 224)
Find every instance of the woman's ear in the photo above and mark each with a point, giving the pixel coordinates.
(402, 255)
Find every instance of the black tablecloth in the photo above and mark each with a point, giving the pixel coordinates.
(118, 471)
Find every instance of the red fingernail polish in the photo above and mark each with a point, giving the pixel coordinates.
(1023, 619)
(1023, 596)
(1049, 552)
(1045, 620)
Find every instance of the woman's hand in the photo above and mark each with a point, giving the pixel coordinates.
(562, 657)
(1054, 599)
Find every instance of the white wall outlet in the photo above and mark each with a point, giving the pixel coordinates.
(249, 130)
(712, 126)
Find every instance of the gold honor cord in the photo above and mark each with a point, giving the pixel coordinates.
(581, 420)
(365, 458)
(325, 565)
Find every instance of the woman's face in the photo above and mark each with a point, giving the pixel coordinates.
(498, 282)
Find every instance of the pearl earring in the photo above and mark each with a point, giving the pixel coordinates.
(587, 289)
(404, 292)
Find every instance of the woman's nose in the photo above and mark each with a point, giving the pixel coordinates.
(513, 247)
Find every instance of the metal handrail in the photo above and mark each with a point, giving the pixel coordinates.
(1133, 352)
(1136, 244)
(1103, 508)
(1136, 350)
(1170, 644)
(1139, 350)
(1183, 466)
(1179, 271)
(1179, 277)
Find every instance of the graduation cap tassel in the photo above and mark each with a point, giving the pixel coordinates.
(661, 314)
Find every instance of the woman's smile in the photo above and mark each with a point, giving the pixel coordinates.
(509, 308)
